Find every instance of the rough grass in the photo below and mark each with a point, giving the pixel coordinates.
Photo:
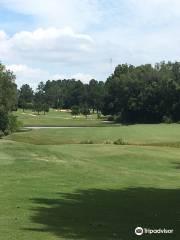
(89, 191)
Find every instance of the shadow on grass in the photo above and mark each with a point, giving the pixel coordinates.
(109, 214)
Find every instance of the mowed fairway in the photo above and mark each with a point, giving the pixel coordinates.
(55, 187)
(56, 118)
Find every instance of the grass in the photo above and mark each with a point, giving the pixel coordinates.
(160, 134)
(54, 188)
(56, 118)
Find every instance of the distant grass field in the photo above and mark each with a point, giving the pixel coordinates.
(55, 188)
(56, 118)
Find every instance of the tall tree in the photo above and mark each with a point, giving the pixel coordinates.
(40, 99)
(25, 97)
(8, 98)
(8, 90)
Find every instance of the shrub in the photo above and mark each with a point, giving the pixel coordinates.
(8, 123)
(75, 111)
(4, 121)
(14, 124)
(85, 111)
(120, 141)
(99, 115)
(102, 117)
(108, 142)
(167, 119)
(1, 134)
(110, 118)
(118, 118)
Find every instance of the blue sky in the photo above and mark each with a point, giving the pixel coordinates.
(42, 39)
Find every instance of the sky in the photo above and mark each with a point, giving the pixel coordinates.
(42, 39)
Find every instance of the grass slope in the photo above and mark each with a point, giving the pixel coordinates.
(90, 192)
(160, 134)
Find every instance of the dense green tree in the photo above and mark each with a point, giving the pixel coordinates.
(25, 99)
(8, 99)
(144, 94)
(8, 90)
(69, 92)
(40, 100)
(4, 121)
(85, 110)
(75, 111)
(54, 94)
(95, 94)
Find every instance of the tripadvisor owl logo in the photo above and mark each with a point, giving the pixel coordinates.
(139, 231)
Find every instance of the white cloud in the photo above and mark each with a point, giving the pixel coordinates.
(3, 35)
(32, 76)
(5, 52)
(81, 15)
(25, 74)
(156, 12)
(47, 45)
(132, 31)
(74, 13)
(85, 78)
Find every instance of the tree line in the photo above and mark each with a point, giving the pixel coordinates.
(63, 94)
(144, 94)
(132, 94)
